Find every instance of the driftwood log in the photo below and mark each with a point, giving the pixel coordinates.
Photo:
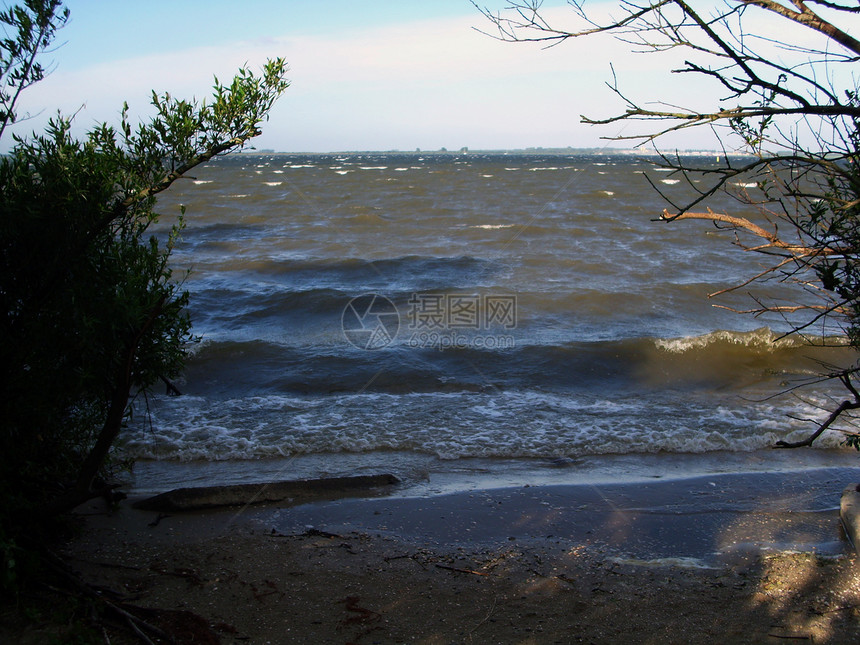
(296, 491)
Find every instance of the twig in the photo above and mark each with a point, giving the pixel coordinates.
(132, 623)
(791, 638)
(486, 618)
(136, 623)
(458, 570)
(318, 533)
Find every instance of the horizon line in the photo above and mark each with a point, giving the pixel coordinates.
(467, 150)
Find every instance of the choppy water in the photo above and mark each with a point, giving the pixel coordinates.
(527, 307)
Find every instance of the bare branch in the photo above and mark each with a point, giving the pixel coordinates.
(796, 118)
(845, 405)
(755, 229)
(810, 19)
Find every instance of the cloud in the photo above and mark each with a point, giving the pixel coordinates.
(426, 84)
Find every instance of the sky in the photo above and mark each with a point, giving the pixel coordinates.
(369, 75)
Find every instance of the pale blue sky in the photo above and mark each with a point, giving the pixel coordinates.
(103, 30)
(368, 75)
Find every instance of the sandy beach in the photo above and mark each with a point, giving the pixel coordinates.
(742, 558)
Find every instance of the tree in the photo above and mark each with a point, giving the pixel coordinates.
(792, 109)
(91, 313)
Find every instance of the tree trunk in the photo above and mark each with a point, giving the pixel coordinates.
(83, 488)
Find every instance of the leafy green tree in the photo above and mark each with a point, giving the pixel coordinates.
(33, 26)
(793, 112)
(91, 312)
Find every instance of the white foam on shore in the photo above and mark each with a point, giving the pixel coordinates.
(676, 562)
(424, 475)
(459, 425)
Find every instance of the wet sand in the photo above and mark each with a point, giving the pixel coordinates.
(709, 520)
(732, 558)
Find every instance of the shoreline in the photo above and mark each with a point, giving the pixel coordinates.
(705, 520)
(425, 474)
(591, 563)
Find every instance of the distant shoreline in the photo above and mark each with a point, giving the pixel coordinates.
(609, 152)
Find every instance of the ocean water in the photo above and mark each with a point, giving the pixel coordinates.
(429, 311)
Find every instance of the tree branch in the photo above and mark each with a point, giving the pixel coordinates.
(809, 18)
(845, 405)
(742, 222)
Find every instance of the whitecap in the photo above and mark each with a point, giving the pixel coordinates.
(197, 182)
(761, 338)
(670, 181)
